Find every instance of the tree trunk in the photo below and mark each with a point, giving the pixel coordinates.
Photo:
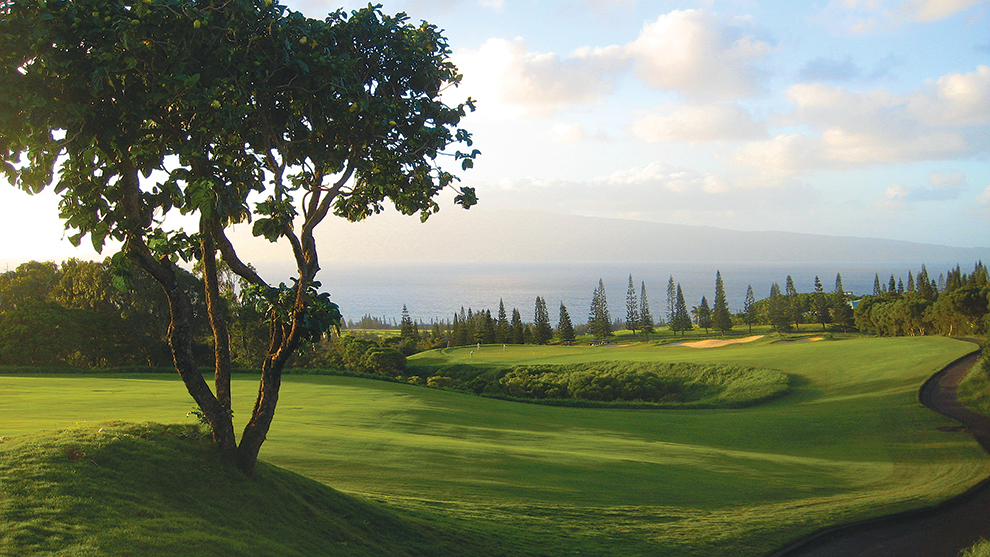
(180, 341)
(218, 322)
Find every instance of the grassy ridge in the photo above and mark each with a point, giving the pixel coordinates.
(139, 490)
(850, 441)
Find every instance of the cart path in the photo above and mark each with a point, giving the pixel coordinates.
(940, 531)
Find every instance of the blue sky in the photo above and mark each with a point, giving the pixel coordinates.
(867, 118)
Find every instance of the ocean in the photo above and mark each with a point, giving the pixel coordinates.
(434, 291)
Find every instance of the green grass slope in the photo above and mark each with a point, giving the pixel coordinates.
(154, 490)
(849, 441)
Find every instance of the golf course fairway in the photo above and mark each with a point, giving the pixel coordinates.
(849, 441)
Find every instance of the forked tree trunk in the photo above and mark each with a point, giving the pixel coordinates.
(180, 341)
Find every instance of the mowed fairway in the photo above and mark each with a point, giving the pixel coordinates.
(850, 441)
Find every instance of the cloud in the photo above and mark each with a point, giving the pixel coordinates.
(934, 10)
(984, 198)
(946, 119)
(697, 123)
(941, 187)
(863, 17)
(696, 53)
(829, 69)
(567, 132)
(955, 100)
(779, 157)
(701, 55)
(537, 84)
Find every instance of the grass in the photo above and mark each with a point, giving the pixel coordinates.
(139, 490)
(850, 441)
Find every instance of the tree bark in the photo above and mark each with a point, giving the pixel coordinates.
(180, 341)
(215, 310)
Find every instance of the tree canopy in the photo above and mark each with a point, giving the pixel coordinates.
(229, 112)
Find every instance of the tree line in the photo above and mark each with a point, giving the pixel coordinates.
(81, 314)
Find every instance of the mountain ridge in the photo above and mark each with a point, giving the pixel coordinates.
(521, 235)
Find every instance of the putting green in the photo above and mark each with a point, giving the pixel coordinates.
(850, 441)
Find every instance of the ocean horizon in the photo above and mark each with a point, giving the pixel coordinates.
(435, 291)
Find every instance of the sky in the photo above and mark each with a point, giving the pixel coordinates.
(864, 118)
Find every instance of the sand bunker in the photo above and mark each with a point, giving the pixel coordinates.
(810, 339)
(715, 343)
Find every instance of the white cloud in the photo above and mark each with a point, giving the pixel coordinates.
(657, 175)
(701, 55)
(955, 100)
(697, 123)
(862, 17)
(784, 155)
(567, 132)
(893, 198)
(984, 198)
(941, 187)
(495, 5)
(510, 78)
(934, 10)
(942, 121)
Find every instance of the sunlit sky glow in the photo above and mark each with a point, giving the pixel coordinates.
(866, 118)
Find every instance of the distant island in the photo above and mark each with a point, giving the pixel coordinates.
(487, 235)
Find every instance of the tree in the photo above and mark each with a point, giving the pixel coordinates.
(632, 307)
(820, 303)
(749, 308)
(671, 302)
(925, 287)
(777, 310)
(518, 329)
(599, 321)
(484, 327)
(704, 312)
(842, 312)
(407, 329)
(542, 331)
(877, 289)
(564, 327)
(682, 319)
(793, 305)
(721, 317)
(645, 316)
(502, 329)
(155, 108)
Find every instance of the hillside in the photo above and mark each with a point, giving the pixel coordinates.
(482, 235)
(124, 489)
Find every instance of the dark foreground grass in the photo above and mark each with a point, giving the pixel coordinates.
(155, 490)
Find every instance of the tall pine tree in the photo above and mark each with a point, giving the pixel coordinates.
(682, 318)
(842, 312)
(408, 331)
(564, 327)
(518, 329)
(671, 303)
(542, 332)
(599, 321)
(777, 313)
(632, 307)
(794, 309)
(645, 316)
(820, 303)
(749, 308)
(721, 317)
(704, 315)
(502, 328)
